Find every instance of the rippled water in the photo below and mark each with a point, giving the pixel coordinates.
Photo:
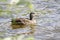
(48, 25)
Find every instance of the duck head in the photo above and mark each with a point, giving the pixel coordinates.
(32, 15)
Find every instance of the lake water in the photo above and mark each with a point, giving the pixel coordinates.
(48, 23)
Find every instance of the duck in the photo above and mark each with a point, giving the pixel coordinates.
(23, 22)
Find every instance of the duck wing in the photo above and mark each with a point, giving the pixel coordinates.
(22, 21)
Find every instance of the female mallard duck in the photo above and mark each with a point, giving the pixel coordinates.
(22, 22)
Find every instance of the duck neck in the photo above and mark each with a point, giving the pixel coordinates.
(31, 17)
